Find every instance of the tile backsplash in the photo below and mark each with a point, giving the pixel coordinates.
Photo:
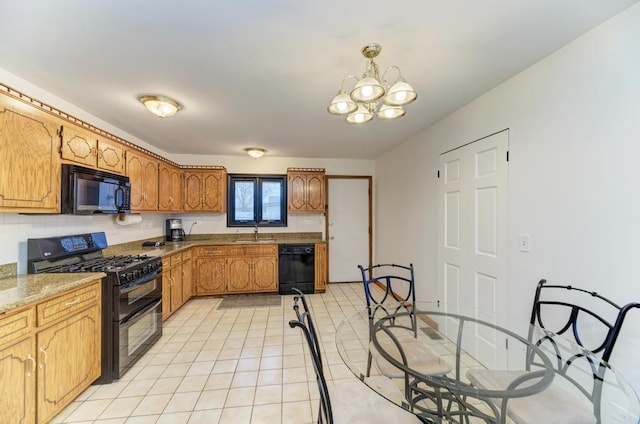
(15, 229)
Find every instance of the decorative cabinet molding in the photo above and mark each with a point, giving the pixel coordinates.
(30, 159)
(35, 138)
(205, 190)
(306, 190)
(87, 148)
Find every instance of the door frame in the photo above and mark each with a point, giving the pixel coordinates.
(369, 178)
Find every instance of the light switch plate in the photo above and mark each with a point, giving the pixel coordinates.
(525, 243)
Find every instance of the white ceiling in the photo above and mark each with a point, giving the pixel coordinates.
(262, 72)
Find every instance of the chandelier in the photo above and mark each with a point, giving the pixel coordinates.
(373, 95)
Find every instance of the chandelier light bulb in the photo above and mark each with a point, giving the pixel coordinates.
(342, 107)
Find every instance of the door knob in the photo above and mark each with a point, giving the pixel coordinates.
(331, 238)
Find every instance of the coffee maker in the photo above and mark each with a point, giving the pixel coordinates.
(174, 230)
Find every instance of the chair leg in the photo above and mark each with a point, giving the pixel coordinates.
(369, 358)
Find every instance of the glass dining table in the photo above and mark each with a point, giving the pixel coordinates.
(499, 370)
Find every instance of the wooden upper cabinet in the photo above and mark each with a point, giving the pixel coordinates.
(306, 190)
(170, 195)
(205, 190)
(142, 171)
(85, 147)
(30, 158)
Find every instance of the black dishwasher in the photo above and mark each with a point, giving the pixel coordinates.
(296, 267)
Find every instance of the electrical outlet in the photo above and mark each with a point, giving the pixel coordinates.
(525, 243)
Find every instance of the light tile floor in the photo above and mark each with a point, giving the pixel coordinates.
(225, 366)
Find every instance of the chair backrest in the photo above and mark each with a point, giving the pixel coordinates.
(397, 294)
(305, 323)
(396, 281)
(585, 318)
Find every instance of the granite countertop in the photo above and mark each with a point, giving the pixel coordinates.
(136, 248)
(21, 290)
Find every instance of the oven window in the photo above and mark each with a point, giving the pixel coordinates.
(141, 291)
(141, 331)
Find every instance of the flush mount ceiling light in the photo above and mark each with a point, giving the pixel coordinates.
(161, 106)
(372, 94)
(255, 152)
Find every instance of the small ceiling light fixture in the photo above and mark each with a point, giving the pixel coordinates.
(255, 152)
(372, 95)
(161, 106)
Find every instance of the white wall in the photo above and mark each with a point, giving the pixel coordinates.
(15, 229)
(574, 127)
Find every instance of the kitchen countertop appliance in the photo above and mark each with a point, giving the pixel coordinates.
(131, 294)
(296, 267)
(174, 231)
(88, 191)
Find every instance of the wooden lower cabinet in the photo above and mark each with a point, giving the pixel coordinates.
(68, 361)
(210, 276)
(18, 371)
(239, 274)
(187, 273)
(265, 274)
(236, 269)
(176, 282)
(209, 269)
(321, 267)
(46, 362)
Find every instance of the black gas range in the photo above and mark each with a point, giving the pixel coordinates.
(131, 294)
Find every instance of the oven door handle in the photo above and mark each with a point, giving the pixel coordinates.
(131, 285)
(143, 310)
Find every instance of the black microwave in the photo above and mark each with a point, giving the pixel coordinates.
(88, 191)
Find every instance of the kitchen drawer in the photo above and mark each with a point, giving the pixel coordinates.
(176, 259)
(68, 303)
(261, 250)
(166, 262)
(210, 251)
(16, 325)
(186, 255)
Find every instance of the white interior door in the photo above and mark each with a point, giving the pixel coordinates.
(472, 271)
(348, 227)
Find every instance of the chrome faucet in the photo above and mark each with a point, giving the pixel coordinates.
(255, 231)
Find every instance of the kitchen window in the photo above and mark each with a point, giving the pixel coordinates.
(257, 200)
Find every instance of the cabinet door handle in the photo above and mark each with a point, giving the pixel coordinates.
(44, 358)
(72, 302)
(33, 364)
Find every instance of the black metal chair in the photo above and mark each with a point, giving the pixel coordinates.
(397, 284)
(587, 319)
(353, 401)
